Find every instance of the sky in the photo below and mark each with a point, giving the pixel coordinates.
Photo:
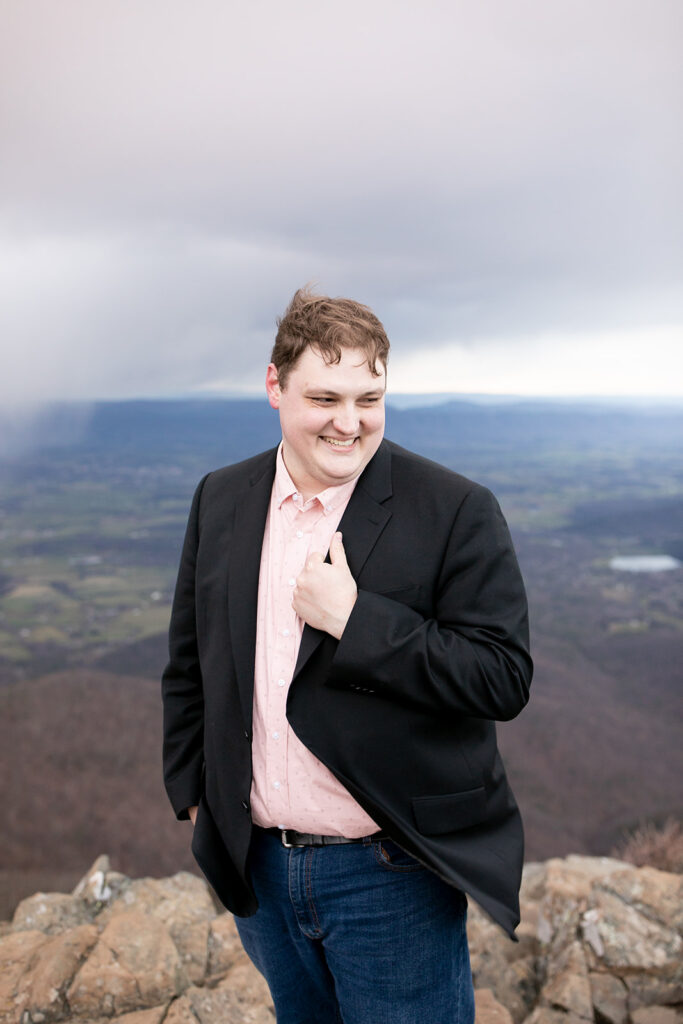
(500, 182)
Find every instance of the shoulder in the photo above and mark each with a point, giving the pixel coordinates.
(231, 481)
(411, 469)
(247, 472)
(437, 497)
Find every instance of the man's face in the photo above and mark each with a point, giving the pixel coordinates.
(332, 418)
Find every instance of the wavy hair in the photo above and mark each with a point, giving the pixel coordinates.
(327, 325)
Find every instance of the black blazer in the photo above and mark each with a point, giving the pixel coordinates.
(401, 709)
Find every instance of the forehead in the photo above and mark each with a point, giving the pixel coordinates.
(352, 369)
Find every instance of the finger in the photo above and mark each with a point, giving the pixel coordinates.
(337, 553)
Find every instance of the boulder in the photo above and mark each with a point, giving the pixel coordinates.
(134, 965)
(624, 937)
(610, 998)
(657, 1015)
(17, 952)
(566, 890)
(49, 912)
(506, 968)
(568, 987)
(545, 1015)
(630, 931)
(655, 894)
(249, 985)
(224, 946)
(488, 1010)
(220, 1005)
(183, 904)
(154, 1016)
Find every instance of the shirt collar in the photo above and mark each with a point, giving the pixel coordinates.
(329, 499)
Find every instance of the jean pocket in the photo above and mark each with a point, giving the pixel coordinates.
(391, 857)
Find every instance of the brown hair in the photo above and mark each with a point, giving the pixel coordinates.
(328, 325)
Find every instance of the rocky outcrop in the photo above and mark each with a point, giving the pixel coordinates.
(136, 952)
(600, 941)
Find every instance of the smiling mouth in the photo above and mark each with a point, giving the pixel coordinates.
(336, 443)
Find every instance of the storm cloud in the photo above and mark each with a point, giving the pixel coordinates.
(500, 182)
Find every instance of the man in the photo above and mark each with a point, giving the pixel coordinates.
(329, 721)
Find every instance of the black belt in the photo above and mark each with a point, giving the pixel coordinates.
(289, 837)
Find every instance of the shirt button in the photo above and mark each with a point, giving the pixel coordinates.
(276, 785)
(276, 735)
(291, 581)
(280, 682)
(282, 827)
(299, 534)
(296, 495)
(285, 632)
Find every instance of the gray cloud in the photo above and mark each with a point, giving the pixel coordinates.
(172, 172)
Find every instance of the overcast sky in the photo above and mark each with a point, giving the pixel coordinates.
(499, 179)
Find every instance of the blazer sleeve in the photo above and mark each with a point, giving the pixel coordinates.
(181, 684)
(472, 658)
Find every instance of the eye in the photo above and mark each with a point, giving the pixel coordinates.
(323, 400)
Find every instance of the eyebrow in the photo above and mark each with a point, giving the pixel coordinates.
(335, 394)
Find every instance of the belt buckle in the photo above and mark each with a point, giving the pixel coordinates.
(283, 837)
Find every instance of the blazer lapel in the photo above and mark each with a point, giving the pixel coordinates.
(243, 575)
(361, 525)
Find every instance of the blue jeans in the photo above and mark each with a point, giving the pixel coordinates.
(355, 934)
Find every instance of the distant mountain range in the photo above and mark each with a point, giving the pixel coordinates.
(235, 428)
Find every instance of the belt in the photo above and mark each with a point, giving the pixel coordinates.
(289, 837)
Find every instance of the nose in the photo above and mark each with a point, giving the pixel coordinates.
(345, 421)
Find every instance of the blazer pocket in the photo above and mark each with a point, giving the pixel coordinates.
(436, 815)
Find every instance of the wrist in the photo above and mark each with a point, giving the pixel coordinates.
(339, 624)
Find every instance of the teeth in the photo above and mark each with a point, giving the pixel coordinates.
(340, 444)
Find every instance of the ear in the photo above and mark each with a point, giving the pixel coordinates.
(273, 389)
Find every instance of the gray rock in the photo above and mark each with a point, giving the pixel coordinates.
(657, 895)
(49, 912)
(624, 939)
(99, 885)
(610, 998)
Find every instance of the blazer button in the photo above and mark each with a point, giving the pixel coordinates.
(246, 734)
(245, 805)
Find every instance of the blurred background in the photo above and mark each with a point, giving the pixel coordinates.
(501, 183)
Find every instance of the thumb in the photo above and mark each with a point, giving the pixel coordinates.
(337, 553)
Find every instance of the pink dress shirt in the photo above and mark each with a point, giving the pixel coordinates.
(290, 787)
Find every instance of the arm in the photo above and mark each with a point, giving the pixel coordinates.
(472, 658)
(181, 685)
